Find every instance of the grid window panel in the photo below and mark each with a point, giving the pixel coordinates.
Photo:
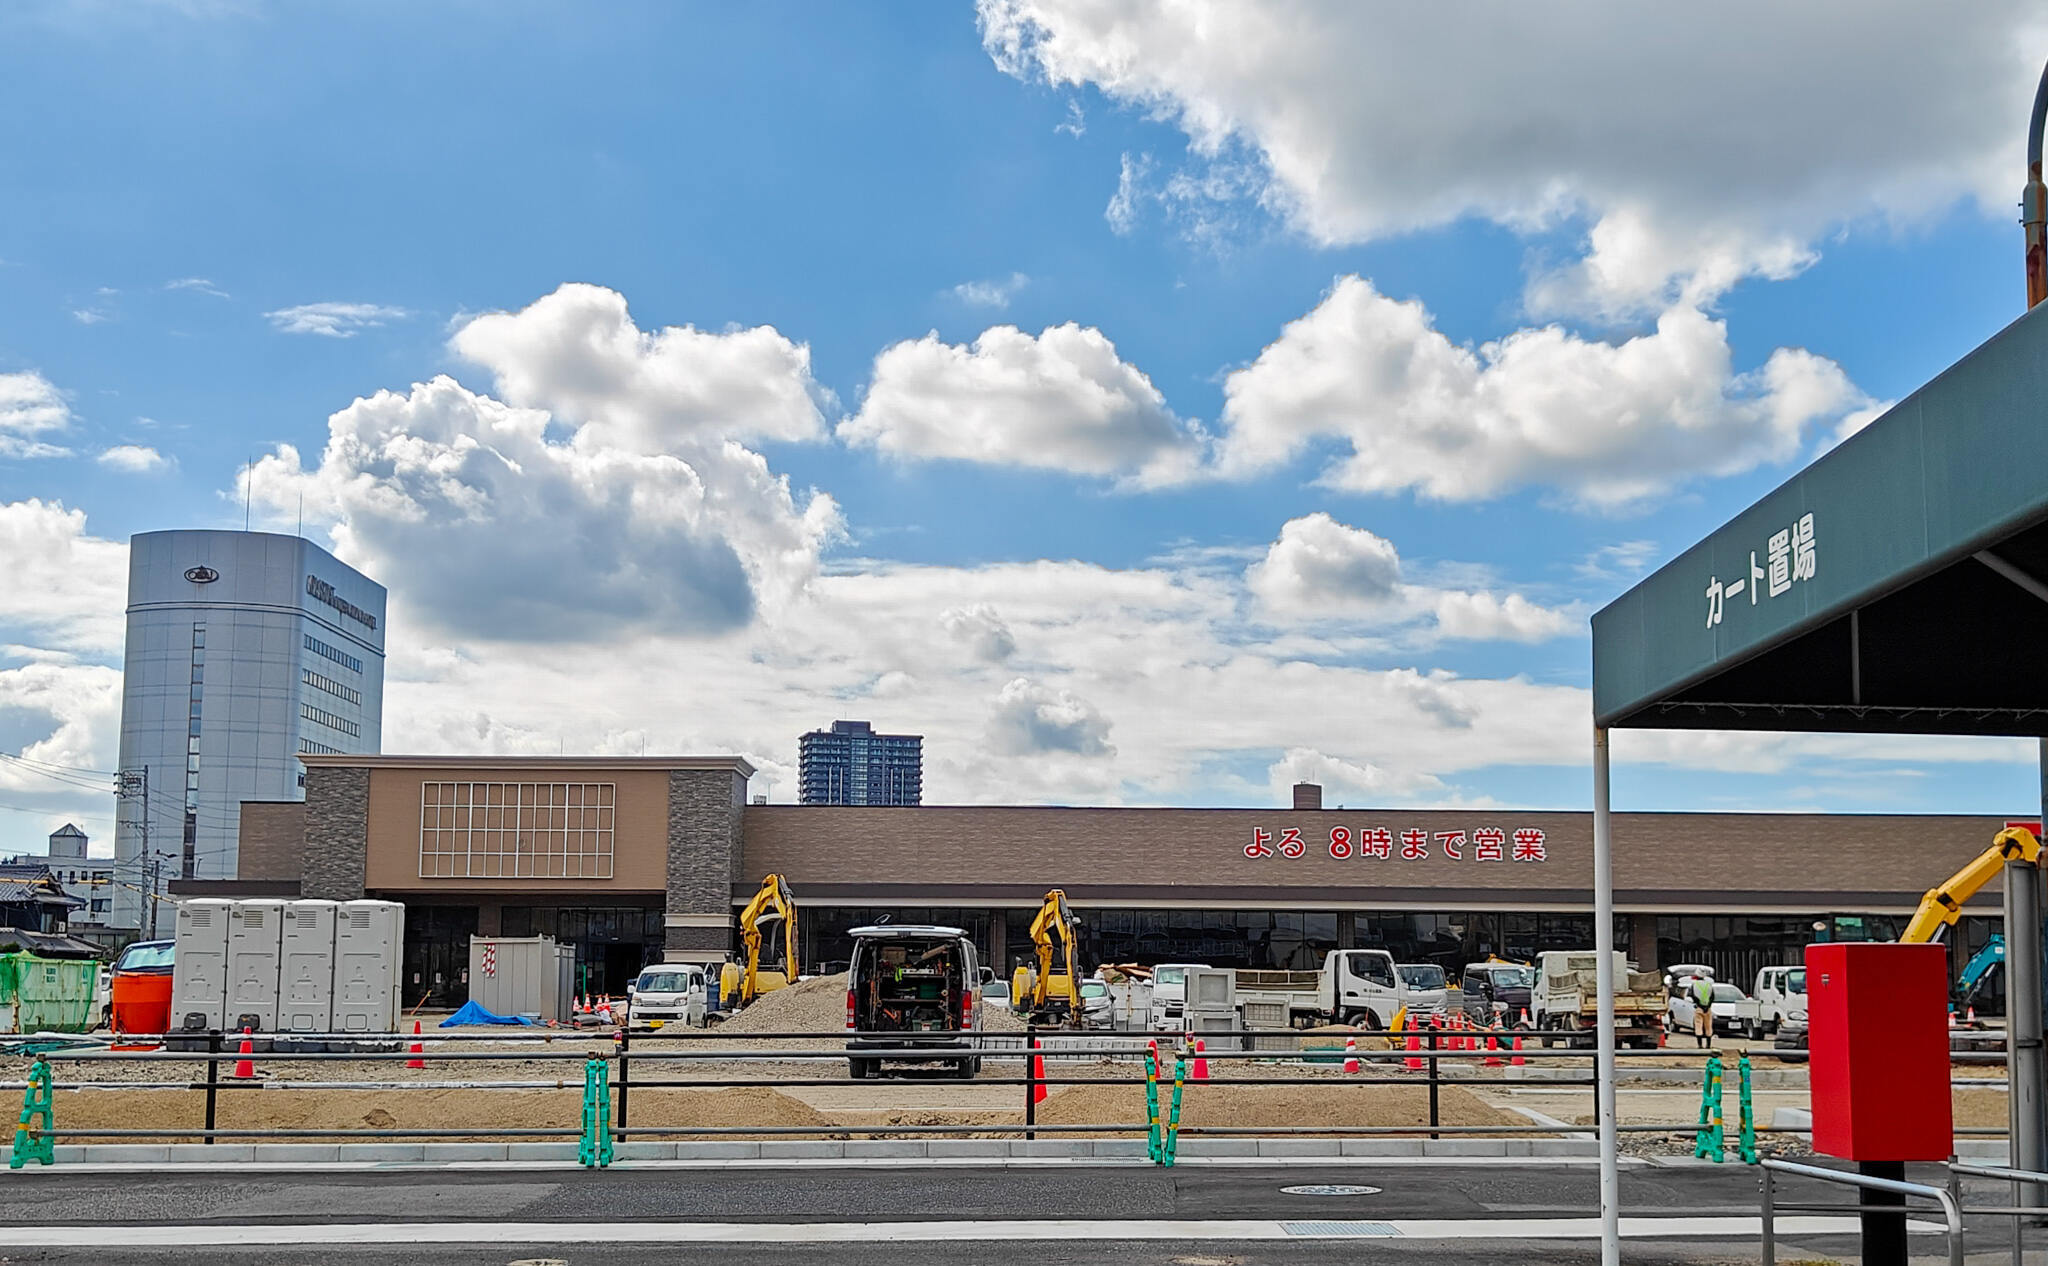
(516, 830)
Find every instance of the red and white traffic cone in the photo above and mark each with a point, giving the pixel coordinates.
(1038, 1090)
(1971, 1017)
(1201, 1070)
(1350, 1054)
(245, 1067)
(417, 1048)
(1492, 1049)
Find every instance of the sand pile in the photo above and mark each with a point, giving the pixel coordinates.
(817, 1005)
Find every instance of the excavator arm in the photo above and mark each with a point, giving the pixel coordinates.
(1942, 906)
(772, 904)
(1052, 934)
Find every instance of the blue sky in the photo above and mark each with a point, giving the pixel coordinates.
(1147, 561)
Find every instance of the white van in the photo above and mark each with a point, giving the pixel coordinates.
(1170, 996)
(667, 993)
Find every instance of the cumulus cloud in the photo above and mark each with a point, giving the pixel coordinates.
(578, 354)
(1607, 424)
(990, 294)
(1732, 156)
(982, 630)
(30, 406)
(1029, 718)
(1354, 783)
(446, 492)
(1059, 400)
(333, 320)
(66, 588)
(133, 459)
(1320, 569)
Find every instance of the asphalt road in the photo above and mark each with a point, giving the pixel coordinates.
(826, 1200)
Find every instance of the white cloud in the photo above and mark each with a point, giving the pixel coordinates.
(634, 507)
(66, 587)
(90, 316)
(1700, 143)
(1058, 400)
(980, 627)
(1076, 122)
(1623, 560)
(1607, 424)
(333, 320)
(198, 285)
(77, 710)
(990, 294)
(1320, 569)
(30, 406)
(133, 459)
(1354, 784)
(1030, 719)
(578, 354)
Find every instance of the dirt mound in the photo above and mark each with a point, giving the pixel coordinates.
(817, 1005)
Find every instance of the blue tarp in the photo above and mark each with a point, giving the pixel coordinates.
(474, 1014)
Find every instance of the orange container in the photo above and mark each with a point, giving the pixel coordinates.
(141, 1002)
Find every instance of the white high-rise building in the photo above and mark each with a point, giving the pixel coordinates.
(244, 650)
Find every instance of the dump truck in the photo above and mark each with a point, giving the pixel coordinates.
(1566, 998)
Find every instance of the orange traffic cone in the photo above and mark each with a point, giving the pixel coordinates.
(417, 1048)
(1414, 1060)
(1038, 1090)
(1201, 1071)
(1350, 1054)
(1492, 1048)
(245, 1067)
(1518, 1061)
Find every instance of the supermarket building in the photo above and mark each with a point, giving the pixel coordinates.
(637, 859)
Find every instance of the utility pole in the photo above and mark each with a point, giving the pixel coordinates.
(129, 786)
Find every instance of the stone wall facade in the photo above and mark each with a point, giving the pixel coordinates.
(705, 807)
(337, 833)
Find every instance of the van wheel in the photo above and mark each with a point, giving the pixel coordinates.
(964, 1070)
(859, 1069)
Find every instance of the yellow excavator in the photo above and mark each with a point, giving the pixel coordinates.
(1052, 993)
(1942, 906)
(739, 983)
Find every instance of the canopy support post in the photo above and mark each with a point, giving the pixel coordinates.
(1603, 943)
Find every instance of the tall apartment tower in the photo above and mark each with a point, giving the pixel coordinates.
(851, 764)
(244, 650)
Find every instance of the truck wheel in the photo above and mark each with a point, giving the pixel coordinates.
(859, 1069)
(964, 1070)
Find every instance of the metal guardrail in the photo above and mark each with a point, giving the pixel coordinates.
(2019, 1213)
(619, 1050)
(1910, 1190)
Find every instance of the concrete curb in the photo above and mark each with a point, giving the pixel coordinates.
(1224, 1151)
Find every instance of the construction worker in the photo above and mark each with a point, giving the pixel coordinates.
(1703, 1010)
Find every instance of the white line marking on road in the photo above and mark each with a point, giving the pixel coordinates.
(613, 1233)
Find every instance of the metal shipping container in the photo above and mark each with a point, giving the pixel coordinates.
(521, 975)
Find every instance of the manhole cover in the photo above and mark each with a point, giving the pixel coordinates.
(1329, 1189)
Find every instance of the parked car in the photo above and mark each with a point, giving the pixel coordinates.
(910, 989)
(1424, 988)
(1096, 1004)
(1169, 995)
(1733, 1010)
(1497, 990)
(1790, 1044)
(667, 993)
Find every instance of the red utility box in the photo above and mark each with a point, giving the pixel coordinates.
(1877, 1036)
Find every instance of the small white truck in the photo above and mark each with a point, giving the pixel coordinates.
(1566, 997)
(1779, 996)
(1356, 986)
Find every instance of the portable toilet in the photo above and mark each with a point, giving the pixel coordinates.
(369, 937)
(305, 980)
(255, 939)
(199, 964)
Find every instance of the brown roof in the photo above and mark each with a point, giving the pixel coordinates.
(1009, 854)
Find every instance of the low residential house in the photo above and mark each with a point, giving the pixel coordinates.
(32, 898)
